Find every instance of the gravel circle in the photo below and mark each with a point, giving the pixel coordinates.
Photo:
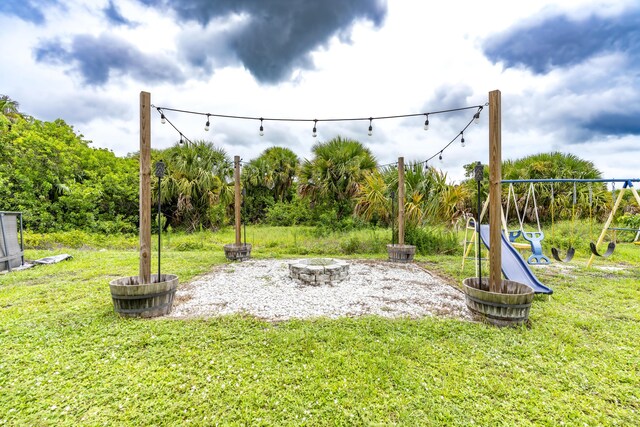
(263, 288)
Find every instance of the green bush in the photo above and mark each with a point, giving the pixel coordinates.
(287, 214)
(431, 240)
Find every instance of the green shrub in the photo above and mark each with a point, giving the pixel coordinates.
(287, 214)
(432, 240)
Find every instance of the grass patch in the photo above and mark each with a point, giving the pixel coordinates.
(67, 359)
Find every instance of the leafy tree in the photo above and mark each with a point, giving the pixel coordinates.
(334, 175)
(547, 166)
(59, 182)
(197, 187)
(268, 179)
(9, 108)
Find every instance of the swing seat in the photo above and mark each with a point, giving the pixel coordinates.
(610, 249)
(570, 253)
(535, 240)
(513, 235)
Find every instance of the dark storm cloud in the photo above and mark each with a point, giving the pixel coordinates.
(618, 124)
(114, 16)
(559, 41)
(27, 10)
(99, 58)
(276, 36)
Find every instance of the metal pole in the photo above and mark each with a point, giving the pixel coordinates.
(160, 168)
(479, 170)
(393, 218)
(21, 240)
(244, 217)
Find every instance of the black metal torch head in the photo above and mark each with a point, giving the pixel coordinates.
(160, 169)
(478, 172)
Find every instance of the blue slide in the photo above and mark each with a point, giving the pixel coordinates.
(514, 267)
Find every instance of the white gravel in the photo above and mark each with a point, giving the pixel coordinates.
(263, 288)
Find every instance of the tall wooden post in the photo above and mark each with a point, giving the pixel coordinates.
(145, 188)
(495, 190)
(400, 200)
(237, 204)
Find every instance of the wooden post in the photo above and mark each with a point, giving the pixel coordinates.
(145, 188)
(400, 201)
(495, 190)
(236, 162)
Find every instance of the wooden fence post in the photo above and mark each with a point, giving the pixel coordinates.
(145, 188)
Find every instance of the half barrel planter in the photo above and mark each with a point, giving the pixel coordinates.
(507, 308)
(401, 253)
(241, 252)
(132, 299)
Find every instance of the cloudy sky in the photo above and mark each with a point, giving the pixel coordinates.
(568, 70)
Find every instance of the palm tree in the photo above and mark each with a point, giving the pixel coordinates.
(335, 174)
(9, 107)
(198, 178)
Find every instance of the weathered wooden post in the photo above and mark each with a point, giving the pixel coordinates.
(401, 252)
(145, 187)
(237, 251)
(400, 200)
(495, 190)
(500, 302)
(237, 204)
(144, 295)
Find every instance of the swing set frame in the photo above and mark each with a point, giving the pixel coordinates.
(627, 185)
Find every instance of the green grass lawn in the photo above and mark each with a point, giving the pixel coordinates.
(67, 359)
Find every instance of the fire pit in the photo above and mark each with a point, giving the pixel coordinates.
(318, 271)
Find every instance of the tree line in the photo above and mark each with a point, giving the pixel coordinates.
(54, 176)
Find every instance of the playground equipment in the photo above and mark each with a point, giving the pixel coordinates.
(533, 237)
(611, 247)
(513, 265)
(627, 186)
(11, 249)
(571, 251)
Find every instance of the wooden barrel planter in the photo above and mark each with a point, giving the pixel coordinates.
(131, 299)
(508, 308)
(401, 253)
(235, 252)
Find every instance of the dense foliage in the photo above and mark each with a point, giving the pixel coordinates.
(54, 176)
(59, 182)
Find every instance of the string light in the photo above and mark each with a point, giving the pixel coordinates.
(206, 125)
(439, 154)
(476, 117)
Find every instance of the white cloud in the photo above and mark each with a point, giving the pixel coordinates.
(422, 49)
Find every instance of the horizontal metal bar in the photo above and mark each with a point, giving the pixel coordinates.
(552, 180)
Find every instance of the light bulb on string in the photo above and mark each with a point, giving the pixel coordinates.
(462, 140)
(261, 127)
(206, 125)
(476, 116)
(426, 122)
(370, 132)
(440, 156)
(315, 130)
(163, 119)
(181, 140)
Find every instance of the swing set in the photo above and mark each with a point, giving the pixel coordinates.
(611, 246)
